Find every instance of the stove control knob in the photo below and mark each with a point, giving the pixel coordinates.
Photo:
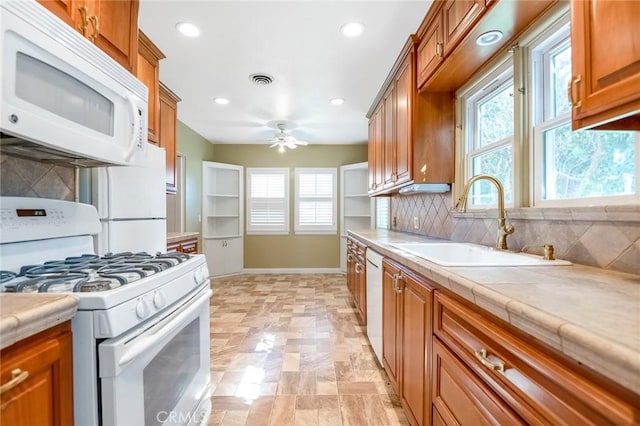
(158, 300)
(142, 309)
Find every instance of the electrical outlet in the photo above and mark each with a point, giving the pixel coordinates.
(416, 222)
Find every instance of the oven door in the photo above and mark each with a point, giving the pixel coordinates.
(159, 374)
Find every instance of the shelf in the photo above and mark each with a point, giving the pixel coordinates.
(357, 215)
(224, 195)
(221, 237)
(356, 196)
(223, 216)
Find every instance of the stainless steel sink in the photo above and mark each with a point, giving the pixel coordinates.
(466, 254)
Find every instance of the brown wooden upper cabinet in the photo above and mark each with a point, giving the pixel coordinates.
(605, 43)
(410, 135)
(168, 132)
(450, 22)
(111, 25)
(148, 72)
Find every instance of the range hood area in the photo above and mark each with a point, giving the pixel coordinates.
(12, 145)
(422, 188)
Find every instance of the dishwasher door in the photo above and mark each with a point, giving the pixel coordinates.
(374, 301)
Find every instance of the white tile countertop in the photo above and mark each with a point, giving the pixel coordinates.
(591, 315)
(23, 315)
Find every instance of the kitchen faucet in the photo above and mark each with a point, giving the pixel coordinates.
(503, 229)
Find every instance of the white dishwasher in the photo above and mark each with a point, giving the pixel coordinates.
(374, 301)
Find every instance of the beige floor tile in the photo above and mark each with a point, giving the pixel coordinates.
(291, 362)
(306, 418)
(283, 410)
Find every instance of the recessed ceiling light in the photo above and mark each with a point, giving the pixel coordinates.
(221, 101)
(352, 29)
(337, 101)
(489, 38)
(188, 29)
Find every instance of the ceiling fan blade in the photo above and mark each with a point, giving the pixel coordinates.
(291, 145)
(302, 143)
(275, 144)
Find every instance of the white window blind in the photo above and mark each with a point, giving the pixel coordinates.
(316, 201)
(267, 201)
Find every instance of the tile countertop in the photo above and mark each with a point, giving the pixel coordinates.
(591, 315)
(23, 315)
(173, 237)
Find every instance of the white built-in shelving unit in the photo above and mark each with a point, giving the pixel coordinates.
(222, 217)
(357, 209)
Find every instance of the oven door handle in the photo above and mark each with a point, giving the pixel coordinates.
(163, 329)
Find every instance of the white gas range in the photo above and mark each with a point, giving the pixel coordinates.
(141, 335)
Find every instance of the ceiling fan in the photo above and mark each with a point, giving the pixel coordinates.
(282, 140)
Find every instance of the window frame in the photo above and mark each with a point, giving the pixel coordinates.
(283, 229)
(470, 98)
(300, 229)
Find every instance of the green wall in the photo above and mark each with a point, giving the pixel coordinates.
(291, 251)
(196, 149)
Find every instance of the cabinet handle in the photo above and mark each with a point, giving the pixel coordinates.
(495, 366)
(358, 268)
(83, 19)
(398, 288)
(17, 376)
(96, 27)
(439, 50)
(574, 84)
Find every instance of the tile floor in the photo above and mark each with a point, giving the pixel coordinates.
(289, 350)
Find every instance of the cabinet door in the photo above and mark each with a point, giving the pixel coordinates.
(417, 302)
(115, 29)
(361, 291)
(430, 51)
(351, 271)
(391, 311)
(388, 138)
(371, 153)
(63, 9)
(403, 132)
(458, 16)
(45, 397)
(460, 398)
(605, 44)
(379, 149)
(224, 256)
(148, 72)
(168, 137)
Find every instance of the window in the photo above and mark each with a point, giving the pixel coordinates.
(267, 201)
(316, 201)
(515, 124)
(571, 167)
(489, 112)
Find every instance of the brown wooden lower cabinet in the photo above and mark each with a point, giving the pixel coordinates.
(452, 363)
(461, 398)
(357, 277)
(407, 300)
(37, 380)
(188, 245)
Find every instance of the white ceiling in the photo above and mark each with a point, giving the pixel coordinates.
(298, 43)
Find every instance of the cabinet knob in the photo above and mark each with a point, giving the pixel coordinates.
(93, 19)
(17, 376)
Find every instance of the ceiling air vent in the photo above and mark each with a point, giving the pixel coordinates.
(261, 79)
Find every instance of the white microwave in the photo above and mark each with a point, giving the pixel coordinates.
(63, 99)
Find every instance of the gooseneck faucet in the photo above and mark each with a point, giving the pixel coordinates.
(503, 228)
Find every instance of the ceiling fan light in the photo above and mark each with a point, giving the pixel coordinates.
(221, 101)
(337, 101)
(281, 149)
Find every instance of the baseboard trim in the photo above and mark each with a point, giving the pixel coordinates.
(292, 271)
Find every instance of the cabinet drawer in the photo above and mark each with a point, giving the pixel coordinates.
(461, 398)
(537, 385)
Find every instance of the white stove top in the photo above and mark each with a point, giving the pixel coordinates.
(47, 246)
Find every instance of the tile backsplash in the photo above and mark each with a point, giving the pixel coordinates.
(605, 237)
(26, 178)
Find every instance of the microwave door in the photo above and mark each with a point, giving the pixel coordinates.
(60, 93)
